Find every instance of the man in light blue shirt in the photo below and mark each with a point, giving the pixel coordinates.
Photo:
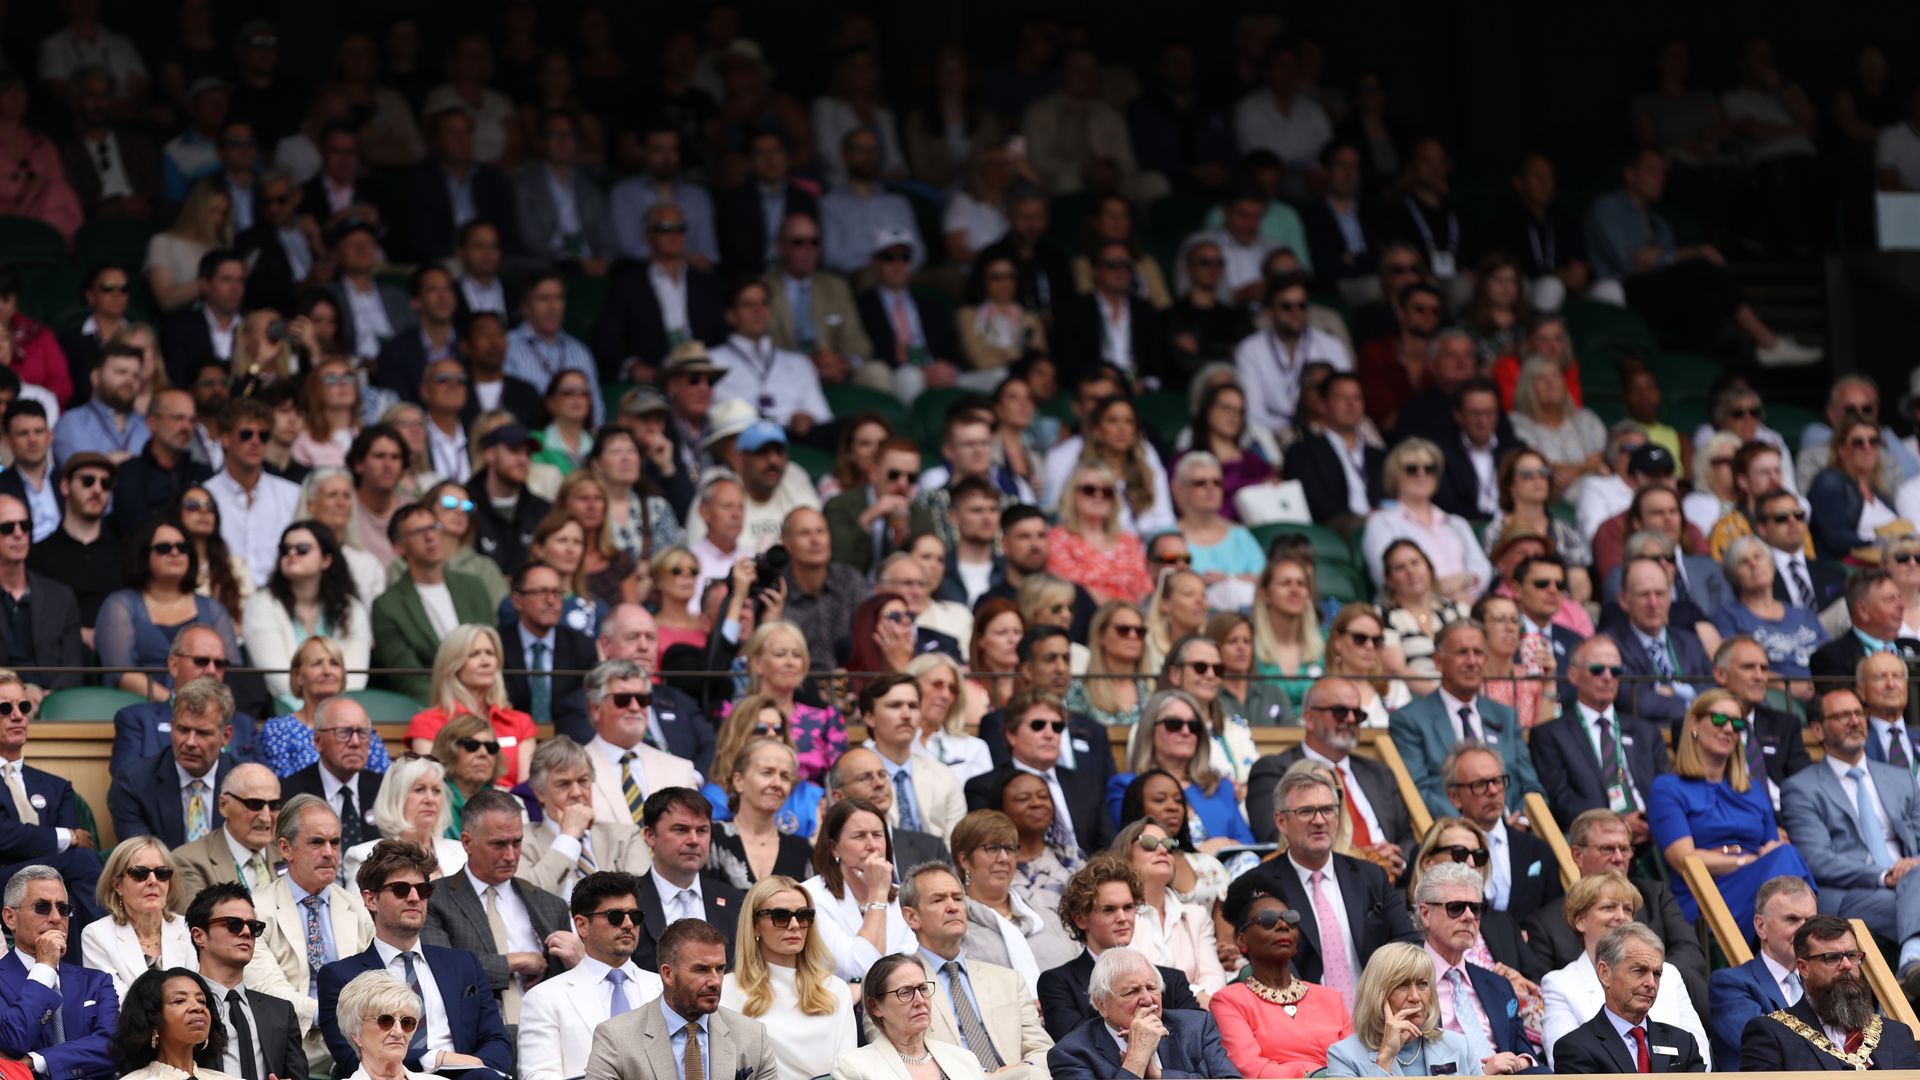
(662, 182)
(106, 424)
(852, 216)
(539, 349)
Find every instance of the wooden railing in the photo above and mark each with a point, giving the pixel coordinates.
(1714, 912)
(1544, 827)
(1893, 1000)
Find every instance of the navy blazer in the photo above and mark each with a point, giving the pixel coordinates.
(1064, 1004)
(143, 730)
(185, 341)
(937, 326)
(1533, 875)
(1376, 911)
(1639, 697)
(144, 798)
(1840, 658)
(741, 220)
(1191, 1048)
(1316, 464)
(427, 227)
(572, 651)
(1080, 329)
(89, 1013)
(473, 1013)
(1423, 733)
(1459, 490)
(689, 733)
(631, 326)
(1739, 994)
(403, 364)
(1502, 1007)
(1766, 1045)
(1086, 801)
(1570, 769)
(722, 902)
(1327, 243)
(1595, 1047)
(55, 803)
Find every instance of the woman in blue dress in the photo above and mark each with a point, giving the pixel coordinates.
(136, 625)
(289, 743)
(1173, 734)
(1708, 806)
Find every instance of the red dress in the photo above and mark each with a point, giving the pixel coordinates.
(511, 726)
(1118, 573)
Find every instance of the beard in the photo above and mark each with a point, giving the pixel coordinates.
(1846, 1003)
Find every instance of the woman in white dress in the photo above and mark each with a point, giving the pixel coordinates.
(166, 1019)
(1596, 904)
(783, 977)
(378, 1014)
(136, 890)
(857, 908)
(412, 805)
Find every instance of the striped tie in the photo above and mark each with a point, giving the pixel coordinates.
(629, 787)
(972, 1031)
(584, 864)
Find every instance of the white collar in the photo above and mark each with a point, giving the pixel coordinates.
(1774, 969)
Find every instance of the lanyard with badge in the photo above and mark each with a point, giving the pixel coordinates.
(1440, 260)
(1620, 793)
(762, 369)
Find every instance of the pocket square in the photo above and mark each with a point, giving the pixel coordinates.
(1533, 870)
(470, 991)
(744, 1072)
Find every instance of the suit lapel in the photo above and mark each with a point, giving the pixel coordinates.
(1837, 795)
(721, 1048)
(649, 897)
(1601, 1029)
(460, 888)
(659, 1045)
(1353, 892)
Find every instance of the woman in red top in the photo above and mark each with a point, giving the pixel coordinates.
(466, 679)
(1088, 548)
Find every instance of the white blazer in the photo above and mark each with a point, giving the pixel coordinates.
(838, 924)
(558, 1017)
(878, 1060)
(657, 769)
(267, 631)
(115, 949)
(1574, 996)
(279, 964)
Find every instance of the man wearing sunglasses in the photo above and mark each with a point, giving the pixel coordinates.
(255, 506)
(572, 843)
(39, 811)
(1524, 874)
(813, 309)
(460, 1019)
(657, 305)
(1853, 397)
(1596, 755)
(241, 848)
(283, 245)
(72, 554)
(1395, 333)
(1115, 325)
(1379, 816)
(1270, 363)
(677, 724)
(171, 795)
(263, 1031)
(619, 699)
(1032, 729)
(36, 982)
(1475, 1003)
(1780, 519)
(559, 1016)
(143, 730)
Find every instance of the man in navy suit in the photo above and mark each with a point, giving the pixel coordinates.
(1525, 875)
(1770, 980)
(1876, 612)
(1539, 587)
(1475, 1003)
(1620, 1038)
(676, 724)
(537, 639)
(1112, 325)
(1469, 476)
(1669, 664)
(1798, 579)
(1035, 727)
(656, 304)
(1426, 727)
(1882, 685)
(57, 1017)
(1837, 999)
(432, 215)
(141, 731)
(1772, 738)
(171, 794)
(677, 827)
(405, 357)
(39, 812)
(1133, 1037)
(1339, 471)
(1596, 755)
(1100, 908)
(457, 998)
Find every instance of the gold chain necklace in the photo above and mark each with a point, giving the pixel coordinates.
(1287, 998)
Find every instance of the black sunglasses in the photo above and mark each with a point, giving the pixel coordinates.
(1172, 725)
(1342, 713)
(470, 745)
(89, 480)
(1375, 640)
(8, 528)
(25, 707)
(246, 435)
(1206, 667)
(1463, 853)
(158, 873)
(631, 700)
(620, 916)
(44, 908)
(1058, 726)
(1614, 670)
(400, 889)
(1457, 908)
(302, 548)
(254, 806)
(164, 547)
(1272, 917)
(1548, 583)
(215, 662)
(233, 924)
(785, 917)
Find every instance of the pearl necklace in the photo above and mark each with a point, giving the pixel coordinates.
(922, 1059)
(1287, 998)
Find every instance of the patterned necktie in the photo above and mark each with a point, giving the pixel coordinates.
(22, 806)
(1467, 732)
(1465, 1019)
(541, 686)
(1897, 750)
(629, 787)
(618, 1003)
(316, 946)
(1870, 830)
(1657, 652)
(972, 1031)
(351, 825)
(243, 1035)
(510, 999)
(418, 1046)
(262, 870)
(584, 865)
(59, 1011)
(693, 1066)
(903, 797)
(1336, 972)
(1610, 771)
(1641, 1062)
(196, 810)
(1802, 584)
(1756, 755)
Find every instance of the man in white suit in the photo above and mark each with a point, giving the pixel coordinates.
(926, 794)
(983, 1007)
(684, 1032)
(625, 769)
(573, 841)
(559, 1016)
(307, 897)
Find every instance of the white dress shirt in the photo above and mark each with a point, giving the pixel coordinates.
(371, 326)
(1116, 331)
(230, 1060)
(1270, 370)
(489, 297)
(449, 452)
(1355, 793)
(679, 903)
(1353, 461)
(108, 165)
(222, 337)
(779, 383)
(251, 522)
(434, 1014)
(671, 294)
(1485, 471)
(1330, 882)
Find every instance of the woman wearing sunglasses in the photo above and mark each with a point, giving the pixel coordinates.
(222, 576)
(1198, 877)
(137, 890)
(412, 806)
(137, 624)
(1900, 557)
(378, 1014)
(471, 754)
(565, 442)
(452, 504)
(1710, 806)
(1500, 948)
(467, 682)
(1410, 477)
(1790, 633)
(1195, 665)
(1170, 931)
(1396, 1022)
(309, 594)
(1172, 734)
(1006, 929)
(1355, 640)
(1852, 505)
(333, 414)
(166, 1025)
(675, 576)
(883, 637)
(1596, 904)
(897, 993)
(1088, 547)
(1115, 686)
(783, 977)
(1272, 1022)
(1527, 490)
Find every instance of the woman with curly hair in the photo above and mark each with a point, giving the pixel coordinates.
(165, 1022)
(783, 977)
(310, 593)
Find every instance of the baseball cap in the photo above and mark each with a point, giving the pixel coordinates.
(1651, 460)
(760, 435)
(642, 400)
(508, 435)
(893, 236)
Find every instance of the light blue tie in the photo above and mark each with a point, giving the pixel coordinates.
(1662, 664)
(1870, 829)
(1465, 1017)
(903, 795)
(619, 1003)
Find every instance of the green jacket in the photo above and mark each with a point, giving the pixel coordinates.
(852, 544)
(404, 638)
(465, 561)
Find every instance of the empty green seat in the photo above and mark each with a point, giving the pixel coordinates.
(385, 706)
(1164, 414)
(1339, 581)
(26, 241)
(86, 703)
(121, 243)
(1328, 545)
(816, 461)
(847, 401)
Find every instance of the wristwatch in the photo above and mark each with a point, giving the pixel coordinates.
(877, 905)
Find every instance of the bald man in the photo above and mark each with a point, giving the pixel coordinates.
(676, 725)
(241, 849)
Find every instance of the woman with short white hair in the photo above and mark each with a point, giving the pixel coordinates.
(378, 1015)
(412, 805)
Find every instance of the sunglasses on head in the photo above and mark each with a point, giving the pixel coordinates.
(785, 917)
(1739, 723)
(254, 806)
(1173, 725)
(25, 707)
(1272, 917)
(401, 889)
(1463, 853)
(1457, 908)
(158, 873)
(631, 700)
(1058, 726)
(470, 745)
(385, 1022)
(235, 925)
(620, 916)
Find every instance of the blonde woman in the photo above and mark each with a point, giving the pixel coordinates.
(1088, 547)
(1116, 684)
(1178, 609)
(1047, 600)
(137, 889)
(760, 834)
(1714, 495)
(1287, 644)
(1355, 640)
(411, 806)
(1410, 476)
(947, 711)
(776, 657)
(611, 572)
(318, 672)
(1172, 735)
(1597, 905)
(755, 717)
(173, 257)
(783, 977)
(470, 752)
(675, 577)
(467, 682)
(1545, 417)
(1396, 1022)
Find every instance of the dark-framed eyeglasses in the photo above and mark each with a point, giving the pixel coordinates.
(905, 994)
(1420, 468)
(1831, 959)
(1481, 787)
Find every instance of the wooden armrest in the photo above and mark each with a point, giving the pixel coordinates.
(1713, 908)
(1546, 828)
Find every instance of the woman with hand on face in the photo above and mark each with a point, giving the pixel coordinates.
(883, 636)
(898, 994)
(137, 890)
(783, 977)
(379, 1015)
(1396, 1022)
(1272, 1022)
(165, 1022)
(310, 594)
(852, 888)
(1170, 931)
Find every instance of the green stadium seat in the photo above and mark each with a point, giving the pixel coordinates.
(1164, 413)
(1598, 327)
(26, 241)
(930, 415)
(585, 297)
(1067, 221)
(847, 400)
(1328, 546)
(86, 703)
(1339, 581)
(385, 706)
(1789, 420)
(816, 461)
(122, 243)
(611, 393)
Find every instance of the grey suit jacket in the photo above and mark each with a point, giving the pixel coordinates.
(1823, 822)
(637, 1046)
(393, 298)
(616, 846)
(457, 920)
(540, 215)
